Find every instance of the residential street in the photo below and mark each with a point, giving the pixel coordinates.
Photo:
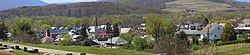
(44, 49)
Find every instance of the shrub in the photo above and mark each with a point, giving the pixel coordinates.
(232, 42)
(196, 47)
(65, 42)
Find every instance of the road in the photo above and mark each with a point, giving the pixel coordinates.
(53, 51)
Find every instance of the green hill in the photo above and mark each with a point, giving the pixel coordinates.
(84, 9)
(199, 5)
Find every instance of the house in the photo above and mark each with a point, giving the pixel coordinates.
(148, 37)
(212, 31)
(111, 42)
(243, 27)
(125, 30)
(137, 31)
(47, 40)
(103, 36)
(55, 32)
(41, 33)
(246, 22)
(191, 33)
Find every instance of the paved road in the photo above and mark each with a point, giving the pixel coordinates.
(44, 49)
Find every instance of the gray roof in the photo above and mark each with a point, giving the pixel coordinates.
(246, 21)
(58, 31)
(210, 26)
(192, 32)
(115, 40)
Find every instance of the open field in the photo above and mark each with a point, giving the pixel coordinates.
(237, 52)
(19, 52)
(93, 50)
(242, 48)
(200, 5)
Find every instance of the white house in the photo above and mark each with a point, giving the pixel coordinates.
(243, 26)
(195, 33)
(214, 30)
(125, 30)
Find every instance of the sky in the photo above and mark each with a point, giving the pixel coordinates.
(243, 0)
(63, 1)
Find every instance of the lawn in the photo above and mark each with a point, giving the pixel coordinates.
(237, 52)
(92, 50)
(225, 49)
(19, 52)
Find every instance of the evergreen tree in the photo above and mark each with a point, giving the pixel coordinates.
(83, 39)
(205, 21)
(83, 31)
(116, 31)
(108, 28)
(228, 33)
(181, 44)
(3, 31)
(205, 40)
(195, 40)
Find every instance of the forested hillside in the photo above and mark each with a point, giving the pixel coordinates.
(159, 4)
(85, 9)
(182, 5)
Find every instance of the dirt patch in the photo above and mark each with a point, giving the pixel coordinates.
(6, 53)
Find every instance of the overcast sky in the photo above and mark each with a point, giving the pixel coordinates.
(62, 1)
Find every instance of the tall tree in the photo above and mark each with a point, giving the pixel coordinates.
(45, 26)
(205, 21)
(116, 30)
(83, 39)
(3, 31)
(22, 26)
(181, 44)
(159, 27)
(108, 28)
(228, 33)
(173, 44)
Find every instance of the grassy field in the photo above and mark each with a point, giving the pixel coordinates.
(236, 52)
(200, 5)
(225, 49)
(19, 52)
(92, 50)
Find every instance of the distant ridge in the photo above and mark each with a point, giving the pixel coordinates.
(8, 4)
(83, 9)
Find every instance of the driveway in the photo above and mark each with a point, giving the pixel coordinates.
(44, 49)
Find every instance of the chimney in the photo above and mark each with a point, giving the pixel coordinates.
(47, 33)
(218, 22)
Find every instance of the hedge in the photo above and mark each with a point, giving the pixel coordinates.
(232, 42)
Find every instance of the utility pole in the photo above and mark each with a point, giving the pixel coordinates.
(96, 27)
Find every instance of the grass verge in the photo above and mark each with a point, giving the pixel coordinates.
(92, 50)
(19, 52)
(237, 52)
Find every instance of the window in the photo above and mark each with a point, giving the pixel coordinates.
(215, 36)
(218, 28)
